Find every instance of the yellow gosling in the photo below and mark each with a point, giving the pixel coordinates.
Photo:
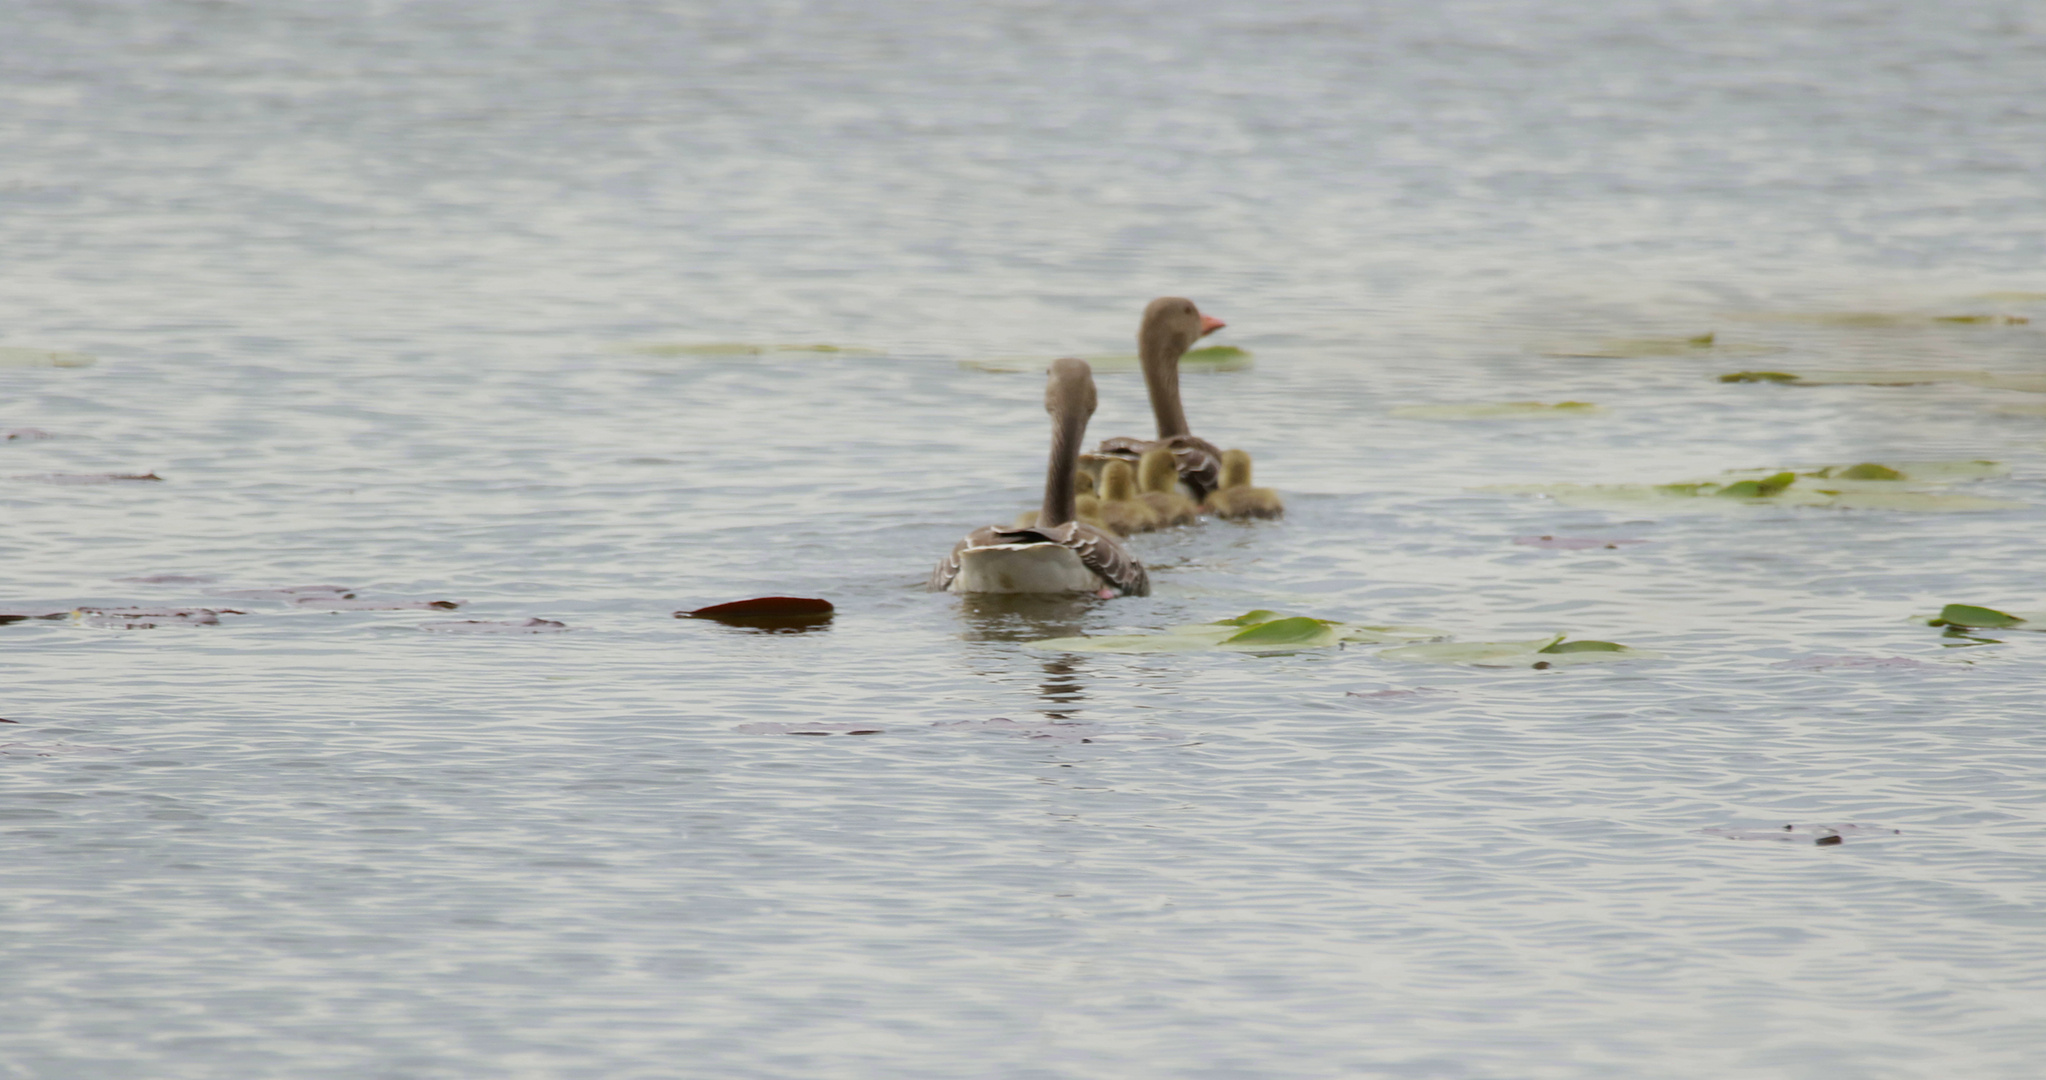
(1121, 511)
(1158, 481)
(1236, 499)
(1087, 505)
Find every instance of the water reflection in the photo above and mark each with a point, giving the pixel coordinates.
(1025, 618)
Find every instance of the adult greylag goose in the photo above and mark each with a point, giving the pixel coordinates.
(1236, 499)
(1158, 486)
(1119, 508)
(1058, 554)
(1171, 325)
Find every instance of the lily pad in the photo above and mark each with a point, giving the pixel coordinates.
(1969, 615)
(2025, 381)
(770, 612)
(1213, 358)
(16, 356)
(1504, 410)
(1630, 348)
(1546, 652)
(1887, 320)
(1862, 486)
(1254, 631)
(504, 626)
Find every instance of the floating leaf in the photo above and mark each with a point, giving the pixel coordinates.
(1254, 631)
(24, 434)
(336, 603)
(1969, 615)
(1864, 486)
(1297, 632)
(143, 618)
(1541, 652)
(1505, 410)
(15, 356)
(771, 612)
(505, 626)
(1629, 348)
(2028, 382)
(1884, 320)
(1584, 646)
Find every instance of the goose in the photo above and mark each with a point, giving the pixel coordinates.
(1058, 554)
(1236, 499)
(1119, 508)
(1171, 325)
(1158, 484)
(1086, 504)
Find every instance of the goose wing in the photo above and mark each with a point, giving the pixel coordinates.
(1199, 461)
(1099, 551)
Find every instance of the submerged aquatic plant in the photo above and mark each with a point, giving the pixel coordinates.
(1262, 630)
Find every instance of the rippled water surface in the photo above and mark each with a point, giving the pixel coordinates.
(403, 298)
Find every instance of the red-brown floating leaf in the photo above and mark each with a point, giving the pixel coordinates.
(143, 618)
(4, 720)
(505, 626)
(764, 607)
(24, 433)
(86, 478)
(347, 603)
(17, 616)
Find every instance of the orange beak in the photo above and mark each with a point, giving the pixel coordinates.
(1210, 324)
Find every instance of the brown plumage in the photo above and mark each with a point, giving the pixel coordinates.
(1058, 553)
(1158, 486)
(1236, 499)
(1171, 325)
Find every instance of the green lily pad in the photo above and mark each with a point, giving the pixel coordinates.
(726, 348)
(1630, 348)
(1550, 651)
(1255, 631)
(1297, 632)
(15, 356)
(1885, 320)
(1864, 486)
(1971, 616)
(1213, 358)
(1585, 646)
(2025, 381)
(1504, 410)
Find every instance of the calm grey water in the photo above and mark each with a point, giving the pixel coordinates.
(364, 284)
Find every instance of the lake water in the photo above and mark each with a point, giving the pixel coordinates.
(403, 298)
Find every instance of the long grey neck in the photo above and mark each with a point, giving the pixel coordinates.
(1160, 357)
(1068, 429)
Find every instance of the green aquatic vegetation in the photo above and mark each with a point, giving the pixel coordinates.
(1866, 485)
(1213, 358)
(1549, 652)
(16, 356)
(1504, 410)
(1633, 348)
(656, 348)
(1886, 320)
(1262, 630)
(1970, 616)
(2024, 381)
(1774, 484)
